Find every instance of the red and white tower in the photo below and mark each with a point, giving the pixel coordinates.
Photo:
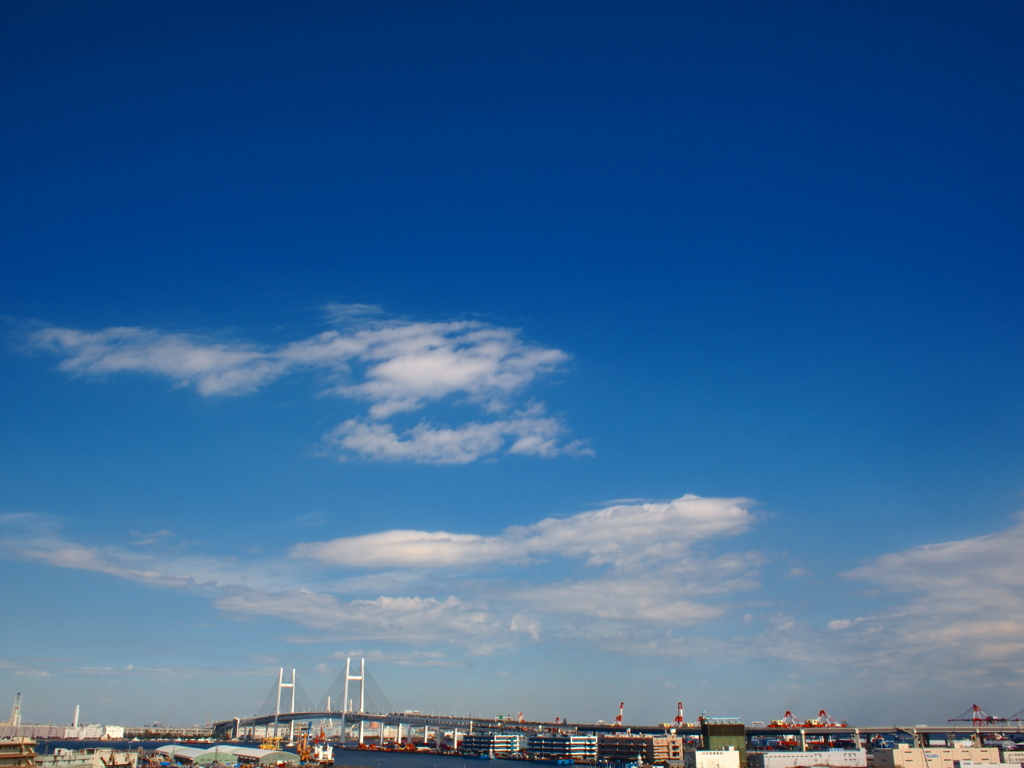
(679, 714)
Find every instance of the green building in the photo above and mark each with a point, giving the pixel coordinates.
(723, 736)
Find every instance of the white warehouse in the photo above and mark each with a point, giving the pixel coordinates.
(835, 758)
(711, 758)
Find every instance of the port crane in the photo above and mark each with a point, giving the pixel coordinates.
(825, 720)
(679, 715)
(15, 720)
(977, 717)
(787, 721)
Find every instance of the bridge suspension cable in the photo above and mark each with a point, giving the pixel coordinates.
(279, 701)
(302, 701)
(267, 708)
(373, 697)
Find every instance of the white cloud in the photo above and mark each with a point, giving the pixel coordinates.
(396, 367)
(530, 433)
(342, 313)
(635, 568)
(958, 610)
(411, 364)
(621, 535)
(416, 620)
(418, 658)
(405, 549)
(628, 600)
(212, 368)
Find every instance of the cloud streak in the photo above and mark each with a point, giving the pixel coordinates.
(529, 433)
(956, 611)
(641, 566)
(393, 367)
(640, 578)
(625, 534)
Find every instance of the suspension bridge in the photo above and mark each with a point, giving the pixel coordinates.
(369, 711)
(356, 702)
(354, 699)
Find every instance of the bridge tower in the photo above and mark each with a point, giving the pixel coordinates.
(346, 705)
(281, 685)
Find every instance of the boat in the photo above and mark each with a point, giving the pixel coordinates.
(88, 758)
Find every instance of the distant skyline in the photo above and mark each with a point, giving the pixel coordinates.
(546, 356)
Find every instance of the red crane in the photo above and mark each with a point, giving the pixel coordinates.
(788, 721)
(825, 720)
(679, 714)
(618, 717)
(977, 716)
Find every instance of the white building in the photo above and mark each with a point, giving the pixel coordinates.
(711, 758)
(490, 743)
(905, 756)
(836, 758)
(94, 731)
(558, 746)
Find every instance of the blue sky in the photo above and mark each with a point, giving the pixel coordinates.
(546, 355)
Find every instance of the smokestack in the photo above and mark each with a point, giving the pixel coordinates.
(76, 715)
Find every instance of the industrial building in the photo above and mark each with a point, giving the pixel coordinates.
(905, 756)
(724, 735)
(835, 758)
(179, 753)
(34, 732)
(41, 732)
(712, 758)
(94, 731)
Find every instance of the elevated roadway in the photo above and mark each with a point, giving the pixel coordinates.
(235, 728)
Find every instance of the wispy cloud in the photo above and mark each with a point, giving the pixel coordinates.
(212, 368)
(957, 610)
(394, 367)
(648, 578)
(528, 433)
(622, 534)
(404, 620)
(642, 566)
